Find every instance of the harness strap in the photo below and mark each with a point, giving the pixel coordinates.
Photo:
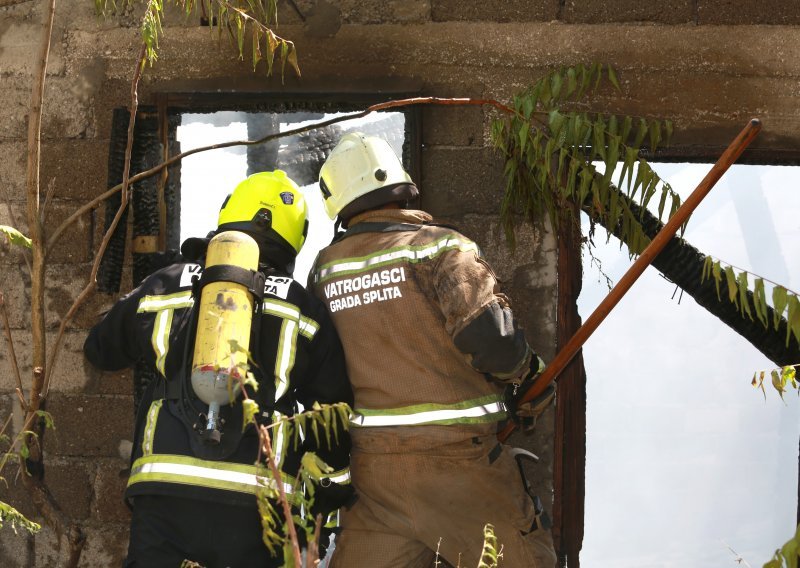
(251, 279)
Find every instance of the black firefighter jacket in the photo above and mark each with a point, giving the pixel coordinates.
(300, 360)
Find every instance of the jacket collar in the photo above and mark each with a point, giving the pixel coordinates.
(392, 216)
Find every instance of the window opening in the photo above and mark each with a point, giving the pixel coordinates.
(207, 177)
(685, 461)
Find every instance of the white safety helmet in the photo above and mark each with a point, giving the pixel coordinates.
(361, 165)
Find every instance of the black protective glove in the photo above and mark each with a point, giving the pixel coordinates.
(329, 496)
(526, 413)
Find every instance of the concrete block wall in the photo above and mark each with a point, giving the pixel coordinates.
(707, 64)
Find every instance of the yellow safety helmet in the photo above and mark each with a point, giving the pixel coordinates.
(268, 206)
(359, 166)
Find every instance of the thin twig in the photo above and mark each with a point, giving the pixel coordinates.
(12, 353)
(266, 448)
(51, 186)
(312, 552)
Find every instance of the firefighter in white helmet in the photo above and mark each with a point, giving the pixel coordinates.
(193, 479)
(430, 345)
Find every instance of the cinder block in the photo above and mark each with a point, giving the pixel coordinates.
(71, 368)
(458, 181)
(12, 168)
(63, 283)
(535, 248)
(15, 92)
(498, 11)
(746, 12)
(89, 425)
(383, 11)
(68, 109)
(70, 482)
(446, 125)
(20, 42)
(105, 546)
(58, 167)
(108, 504)
(607, 11)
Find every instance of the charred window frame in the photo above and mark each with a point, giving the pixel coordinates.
(153, 212)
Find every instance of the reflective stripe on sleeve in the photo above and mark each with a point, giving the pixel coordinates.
(342, 477)
(476, 411)
(166, 302)
(192, 471)
(164, 307)
(306, 326)
(354, 265)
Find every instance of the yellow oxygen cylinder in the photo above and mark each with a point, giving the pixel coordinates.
(223, 322)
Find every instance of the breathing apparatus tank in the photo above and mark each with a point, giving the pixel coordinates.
(224, 320)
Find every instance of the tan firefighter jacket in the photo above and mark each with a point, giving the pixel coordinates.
(427, 336)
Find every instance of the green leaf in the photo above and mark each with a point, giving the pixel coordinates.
(789, 375)
(10, 515)
(314, 466)
(256, 36)
(733, 288)
(612, 76)
(292, 58)
(655, 135)
(572, 81)
(662, 202)
(48, 419)
(556, 122)
(556, 81)
(598, 136)
(627, 122)
(668, 130)
(716, 270)
(640, 133)
(527, 107)
(522, 135)
(586, 184)
(760, 301)
(779, 298)
(707, 264)
(250, 410)
(15, 237)
(744, 304)
(776, 382)
(793, 319)
(627, 169)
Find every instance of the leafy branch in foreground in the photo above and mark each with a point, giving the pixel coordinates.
(491, 553)
(781, 377)
(783, 299)
(239, 18)
(9, 515)
(788, 555)
(550, 145)
(15, 237)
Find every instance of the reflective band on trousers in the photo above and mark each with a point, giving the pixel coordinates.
(191, 471)
(476, 411)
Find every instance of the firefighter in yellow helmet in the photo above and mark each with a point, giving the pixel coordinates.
(430, 344)
(193, 479)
